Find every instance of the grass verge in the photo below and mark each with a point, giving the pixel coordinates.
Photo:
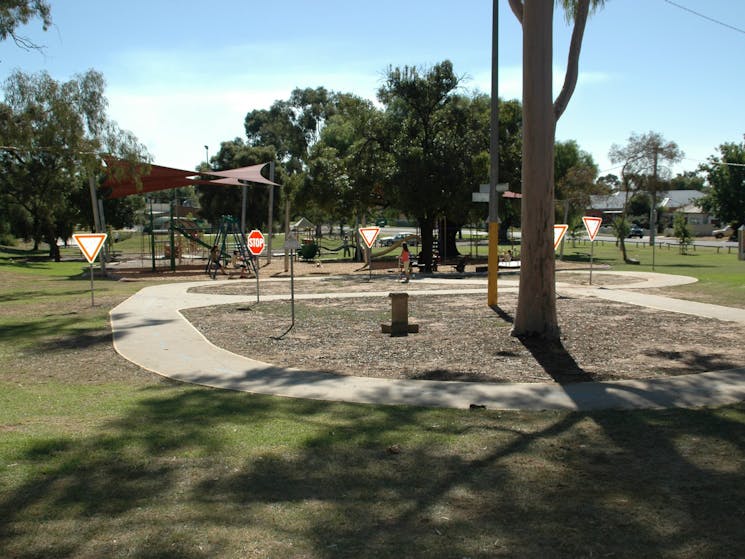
(101, 459)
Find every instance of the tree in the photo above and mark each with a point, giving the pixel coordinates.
(646, 158)
(536, 307)
(435, 137)
(349, 165)
(57, 132)
(725, 174)
(682, 232)
(574, 173)
(291, 128)
(14, 13)
(688, 180)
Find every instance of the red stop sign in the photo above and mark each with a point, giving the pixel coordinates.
(255, 242)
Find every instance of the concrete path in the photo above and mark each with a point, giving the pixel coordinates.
(150, 331)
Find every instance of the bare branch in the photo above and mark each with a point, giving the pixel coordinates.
(517, 9)
(575, 46)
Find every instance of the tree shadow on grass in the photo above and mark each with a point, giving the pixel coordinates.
(190, 472)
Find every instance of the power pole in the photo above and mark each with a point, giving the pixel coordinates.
(493, 262)
(653, 211)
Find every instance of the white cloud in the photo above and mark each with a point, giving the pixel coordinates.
(176, 126)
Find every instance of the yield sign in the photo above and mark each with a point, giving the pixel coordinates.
(369, 234)
(560, 230)
(592, 224)
(90, 244)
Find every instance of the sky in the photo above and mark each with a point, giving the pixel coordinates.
(182, 75)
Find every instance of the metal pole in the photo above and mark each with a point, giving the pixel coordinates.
(257, 279)
(292, 287)
(171, 238)
(244, 203)
(592, 255)
(152, 235)
(271, 213)
(493, 262)
(90, 265)
(287, 226)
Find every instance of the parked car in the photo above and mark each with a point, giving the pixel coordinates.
(636, 231)
(390, 241)
(728, 232)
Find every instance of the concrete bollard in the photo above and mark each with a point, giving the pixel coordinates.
(399, 325)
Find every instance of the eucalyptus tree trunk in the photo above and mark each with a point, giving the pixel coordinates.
(536, 307)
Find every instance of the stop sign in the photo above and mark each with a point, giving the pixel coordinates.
(255, 242)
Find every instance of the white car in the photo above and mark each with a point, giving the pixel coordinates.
(390, 241)
(724, 232)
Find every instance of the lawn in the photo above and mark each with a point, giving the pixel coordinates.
(101, 459)
(721, 276)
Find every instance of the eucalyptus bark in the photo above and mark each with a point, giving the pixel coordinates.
(536, 306)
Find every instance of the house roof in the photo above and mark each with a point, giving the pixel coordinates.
(303, 223)
(671, 199)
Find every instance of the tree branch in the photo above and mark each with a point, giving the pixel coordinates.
(517, 9)
(575, 46)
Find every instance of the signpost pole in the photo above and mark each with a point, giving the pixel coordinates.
(592, 224)
(292, 287)
(90, 245)
(90, 265)
(592, 255)
(257, 279)
(369, 234)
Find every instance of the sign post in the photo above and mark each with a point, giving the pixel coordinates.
(369, 234)
(592, 224)
(291, 245)
(90, 245)
(255, 243)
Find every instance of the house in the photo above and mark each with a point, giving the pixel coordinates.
(671, 201)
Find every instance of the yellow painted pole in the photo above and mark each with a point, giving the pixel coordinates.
(493, 264)
(493, 261)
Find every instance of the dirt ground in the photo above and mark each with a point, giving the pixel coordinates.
(460, 338)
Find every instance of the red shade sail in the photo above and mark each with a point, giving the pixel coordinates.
(125, 178)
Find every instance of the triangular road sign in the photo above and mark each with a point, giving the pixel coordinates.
(559, 232)
(90, 244)
(592, 224)
(369, 234)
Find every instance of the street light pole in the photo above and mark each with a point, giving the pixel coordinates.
(207, 154)
(493, 262)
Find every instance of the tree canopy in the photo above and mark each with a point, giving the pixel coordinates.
(54, 134)
(15, 13)
(725, 174)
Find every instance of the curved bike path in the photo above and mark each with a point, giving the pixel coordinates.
(149, 330)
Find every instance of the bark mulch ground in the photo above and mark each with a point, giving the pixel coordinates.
(460, 338)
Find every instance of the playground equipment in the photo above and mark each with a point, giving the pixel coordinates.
(229, 236)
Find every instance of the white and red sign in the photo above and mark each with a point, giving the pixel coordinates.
(560, 229)
(369, 234)
(90, 244)
(255, 242)
(592, 224)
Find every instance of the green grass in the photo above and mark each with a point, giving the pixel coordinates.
(101, 459)
(720, 275)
